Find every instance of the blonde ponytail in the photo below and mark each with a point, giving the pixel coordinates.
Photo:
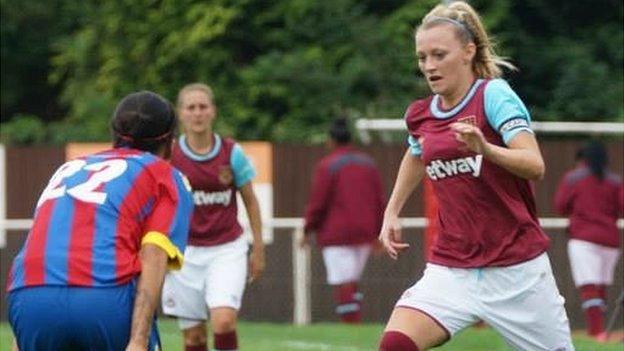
(486, 63)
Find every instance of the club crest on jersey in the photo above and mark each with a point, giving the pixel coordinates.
(472, 119)
(226, 176)
(440, 169)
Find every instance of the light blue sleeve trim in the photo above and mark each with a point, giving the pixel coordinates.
(414, 146)
(242, 168)
(505, 111)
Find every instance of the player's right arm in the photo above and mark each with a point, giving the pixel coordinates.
(410, 174)
(317, 204)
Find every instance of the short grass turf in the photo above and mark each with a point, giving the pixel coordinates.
(334, 337)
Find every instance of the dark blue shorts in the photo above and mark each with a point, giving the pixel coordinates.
(74, 318)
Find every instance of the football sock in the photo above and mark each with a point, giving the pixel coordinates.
(397, 341)
(593, 305)
(201, 347)
(602, 292)
(226, 341)
(348, 302)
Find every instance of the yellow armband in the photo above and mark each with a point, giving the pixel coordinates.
(176, 258)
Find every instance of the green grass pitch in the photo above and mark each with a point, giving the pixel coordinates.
(331, 337)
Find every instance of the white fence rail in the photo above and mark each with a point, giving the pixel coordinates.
(301, 256)
(365, 126)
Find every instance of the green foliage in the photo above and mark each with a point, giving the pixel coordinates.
(23, 130)
(282, 70)
(27, 30)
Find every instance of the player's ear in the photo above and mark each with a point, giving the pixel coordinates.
(470, 50)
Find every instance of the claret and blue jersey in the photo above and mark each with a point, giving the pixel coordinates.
(487, 215)
(95, 214)
(503, 108)
(215, 176)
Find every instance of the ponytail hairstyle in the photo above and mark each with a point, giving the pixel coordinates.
(339, 131)
(595, 156)
(144, 121)
(468, 27)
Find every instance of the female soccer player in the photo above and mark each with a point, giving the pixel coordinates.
(215, 270)
(593, 198)
(472, 139)
(90, 273)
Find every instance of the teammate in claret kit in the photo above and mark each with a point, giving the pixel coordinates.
(472, 138)
(216, 266)
(345, 212)
(105, 229)
(592, 198)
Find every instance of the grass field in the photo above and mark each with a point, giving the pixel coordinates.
(333, 337)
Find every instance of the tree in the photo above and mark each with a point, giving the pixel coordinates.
(282, 70)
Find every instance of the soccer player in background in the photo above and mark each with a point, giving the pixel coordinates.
(473, 140)
(216, 265)
(105, 229)
(345, 211)
(592, 198)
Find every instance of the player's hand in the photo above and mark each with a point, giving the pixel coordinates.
(256, 262)
(471, 136)
(390, 237)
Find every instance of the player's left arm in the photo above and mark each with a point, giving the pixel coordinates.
(153, 268)
(244, 173)
(509, 117)
(161, 248)
(256, 260)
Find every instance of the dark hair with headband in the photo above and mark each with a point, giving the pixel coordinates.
(595, 155)
(144, 120)
(339, 131)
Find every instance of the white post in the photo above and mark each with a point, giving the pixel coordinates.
(3, 213)
(301, 279)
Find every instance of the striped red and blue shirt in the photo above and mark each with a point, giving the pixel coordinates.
(95, 214)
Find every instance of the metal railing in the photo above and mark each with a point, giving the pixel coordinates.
(301, 257)
(365, 126)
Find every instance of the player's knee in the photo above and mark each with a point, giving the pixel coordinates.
(396, 341)
(223, 323)
(195, 335)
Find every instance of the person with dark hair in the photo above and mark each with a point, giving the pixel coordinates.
(344, 211)
(105, 230)
(212, 282)
(592, 198)
(472, 138)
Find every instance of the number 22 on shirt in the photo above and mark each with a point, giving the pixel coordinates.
(103, 172)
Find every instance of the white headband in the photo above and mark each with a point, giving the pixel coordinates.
(454, 22)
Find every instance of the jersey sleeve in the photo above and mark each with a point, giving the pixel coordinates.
(505, 111)
(167, 226)
(414, 146)
(242, 168)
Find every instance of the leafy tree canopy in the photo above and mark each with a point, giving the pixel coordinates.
(281, 70)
